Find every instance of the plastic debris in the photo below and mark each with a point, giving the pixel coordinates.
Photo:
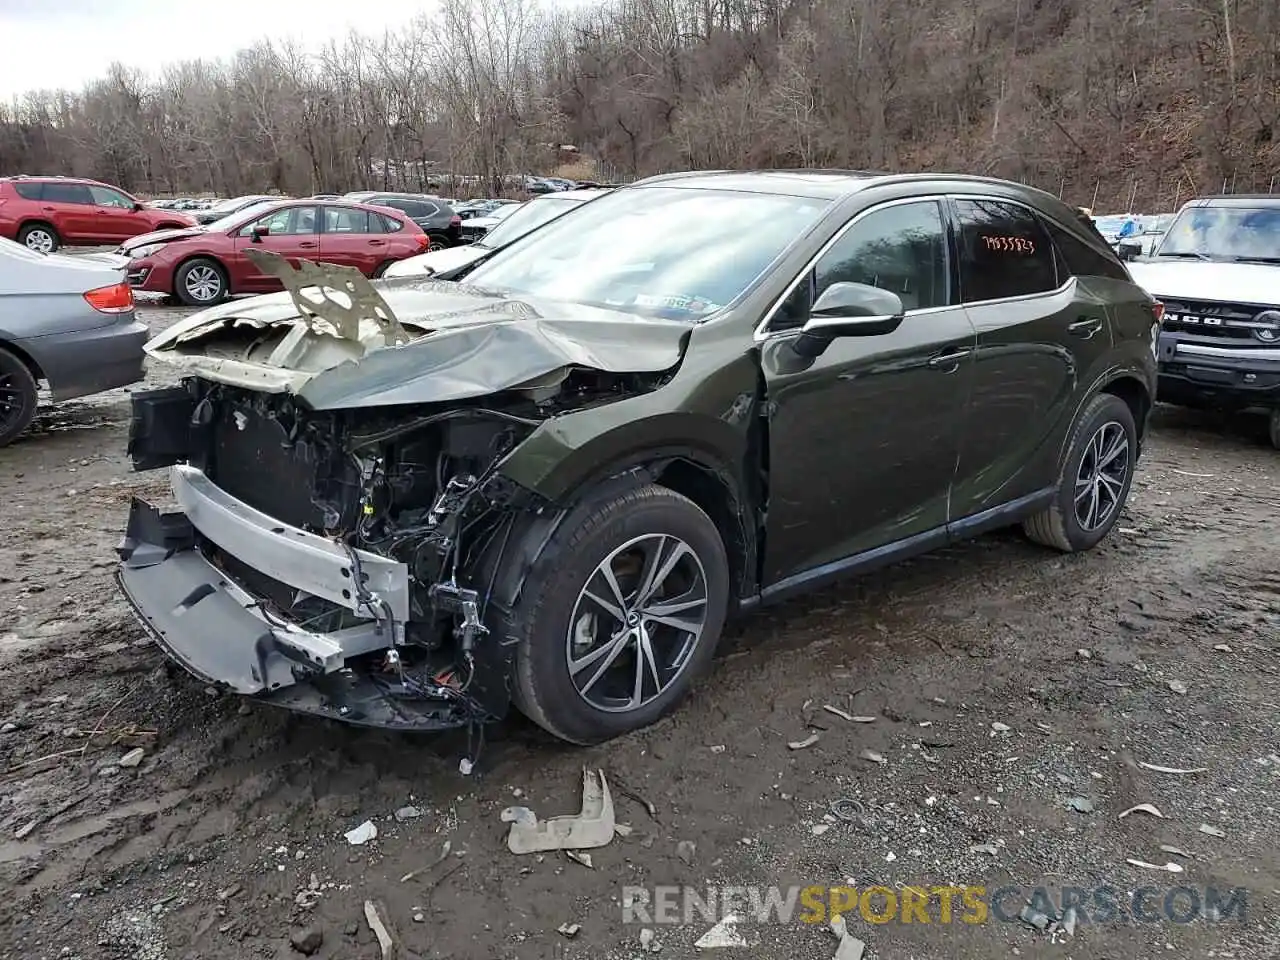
(849, 946)
(465, 766)
(593, 827)
(1177, 686)
(718, 748)
(819, 829)
(362, 834)
(990, 848)
(1176, 851)
(873, 756)
(622, 829)
(407, 813)
(569, 930)
(1211, 830)
(686, 850)
(999, 727)
(845, 715)
(1034, 917)
(1069, 917)
(848, 810)
(582, 858)
(1167, 867)
(723, 934)
(1222, 647)
(647, 941)
(1177, 770)
(806, 742)
(1081, 804)
(1150, 808)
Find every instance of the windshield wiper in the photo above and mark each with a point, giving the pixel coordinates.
(1186, 253)
(1256, 259)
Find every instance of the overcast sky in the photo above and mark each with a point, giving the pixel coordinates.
(67, 43)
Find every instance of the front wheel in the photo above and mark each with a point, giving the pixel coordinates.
(620, 615)
(200, 283)
(1095, 480)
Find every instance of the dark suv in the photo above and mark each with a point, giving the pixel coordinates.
(436, 218)
(45, 213)
(554, 480)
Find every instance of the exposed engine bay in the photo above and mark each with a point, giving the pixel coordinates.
(340, 561)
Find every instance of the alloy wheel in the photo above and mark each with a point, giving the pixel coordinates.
(41, 241)
(203, 283)
(636, 623)
(1100, 481)
(11, 401)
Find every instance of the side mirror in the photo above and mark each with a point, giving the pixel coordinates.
(848, 310)
(259, 231)
(1129, 251)
(138, 206)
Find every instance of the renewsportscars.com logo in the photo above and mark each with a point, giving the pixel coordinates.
(931, 904)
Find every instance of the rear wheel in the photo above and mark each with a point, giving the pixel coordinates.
(39, 237)
(380, 269)
(1275, 428)
(620, 615)
(438, 241)
(1095, 480)
(17, 396)
(200, 283)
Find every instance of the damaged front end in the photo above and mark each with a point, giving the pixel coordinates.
(342, 561)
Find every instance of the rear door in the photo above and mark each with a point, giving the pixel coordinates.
(70, 208)
(293, 232)
(1041, 337)
(354, 238)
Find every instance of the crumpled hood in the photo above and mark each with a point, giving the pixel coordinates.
(463, 343)
(160, 236)
(1182, 279)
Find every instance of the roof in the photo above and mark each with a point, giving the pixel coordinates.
(586, 193)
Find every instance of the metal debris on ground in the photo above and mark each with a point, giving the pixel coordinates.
(592, 827)
(873, 756)
(569, 930)
(1177, 686)
(132, 758)
(808, 741)
(1167, 867)
(1176, 770)
(1081, 804)
(407, 813)
(849, 810)
(999, 727)
(845, 715)
(990, 848)
(1069, 917)
(648, 941)
(848, 946)
(1035, 918)
(686, 850)
(1176, 851)
(1211, 830)
(723, 934)
(1150, 808)
(385, 943)
(582, 858)
(358, 836)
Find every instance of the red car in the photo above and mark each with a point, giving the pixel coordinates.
(45, 213)
(204, 265)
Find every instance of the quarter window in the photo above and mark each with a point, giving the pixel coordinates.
(1003, 251)
(28, 191)
(1080, 259)
(901, 248)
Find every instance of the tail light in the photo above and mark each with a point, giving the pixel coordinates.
(455, 221)
(424, 242)
(1157, 310)
(117, 298)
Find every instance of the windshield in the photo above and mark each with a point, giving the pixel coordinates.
(1225, 233)
(657, 251)
(228, 206)
(524, 218)
(240, 216)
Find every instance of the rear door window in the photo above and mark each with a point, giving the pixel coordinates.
(67, 193)
(346, 220)
(1003, 251)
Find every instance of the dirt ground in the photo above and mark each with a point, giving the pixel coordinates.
(1005, 682)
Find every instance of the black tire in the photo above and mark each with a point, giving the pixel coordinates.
(1061, 524)
(438, 241)
(380, 269)
(1275, 428)
(29, 233)
(17, 397)
(200, 275)
(540, 621)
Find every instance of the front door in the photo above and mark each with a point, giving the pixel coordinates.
(863, 439)
(292, 232)
(1042, 335)
(117, 215)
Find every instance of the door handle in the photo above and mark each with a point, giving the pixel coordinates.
(1085, 327)
(948, 362)
(307, 244)
(377, 243)
(48, 209)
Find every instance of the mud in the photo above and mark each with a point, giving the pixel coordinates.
(228, 836)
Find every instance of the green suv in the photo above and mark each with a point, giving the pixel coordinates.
(412, 502)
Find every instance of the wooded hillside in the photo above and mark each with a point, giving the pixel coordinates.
(1144, 101)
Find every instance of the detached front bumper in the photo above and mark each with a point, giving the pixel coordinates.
(1232, 377)
(221, 633)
